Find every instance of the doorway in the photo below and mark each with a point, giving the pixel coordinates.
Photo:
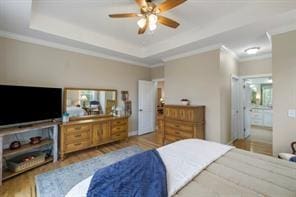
(258, 104)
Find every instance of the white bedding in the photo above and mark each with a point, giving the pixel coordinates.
(183, 161)
(74, 111)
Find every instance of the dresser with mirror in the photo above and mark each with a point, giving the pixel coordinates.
(92, 120)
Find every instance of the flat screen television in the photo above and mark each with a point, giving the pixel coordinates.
(24, 105)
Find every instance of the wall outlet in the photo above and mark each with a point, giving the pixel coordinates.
(292, 113)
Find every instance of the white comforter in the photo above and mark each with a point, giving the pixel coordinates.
(183, 161)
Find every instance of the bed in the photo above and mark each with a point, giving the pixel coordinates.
(214, 169)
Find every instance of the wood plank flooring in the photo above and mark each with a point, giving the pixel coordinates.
(24, 184)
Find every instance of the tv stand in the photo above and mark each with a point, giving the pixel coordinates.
(27, 128)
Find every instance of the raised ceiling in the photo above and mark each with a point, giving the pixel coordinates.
(85, 25)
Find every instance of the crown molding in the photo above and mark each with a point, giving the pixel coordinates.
(258, 57)
(41, 42)
(282, 30)
(157, 65)
(191, 53)
(231, 53)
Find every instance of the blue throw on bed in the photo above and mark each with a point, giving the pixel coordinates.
(142, 175)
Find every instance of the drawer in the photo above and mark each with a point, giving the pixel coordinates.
(257, 115)
(77, 128)
(182, 127)
(119, 122)
(118, 136)
(77, 136)
(171, 138)
(178, 133)
(118, 129)
(77, 146)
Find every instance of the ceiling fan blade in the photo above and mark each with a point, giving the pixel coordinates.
(168, 22)
(142, 30)
(169, 4)
(124, 15)
(141, 3)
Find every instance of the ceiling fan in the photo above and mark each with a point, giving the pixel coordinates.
(149, 13)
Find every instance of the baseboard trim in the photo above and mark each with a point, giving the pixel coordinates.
(132, 133)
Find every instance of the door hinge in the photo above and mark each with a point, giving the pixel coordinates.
(244, 129)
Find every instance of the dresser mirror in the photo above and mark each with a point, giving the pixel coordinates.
(83, 103)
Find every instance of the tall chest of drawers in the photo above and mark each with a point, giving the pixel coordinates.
(83, 134)
(183, 122)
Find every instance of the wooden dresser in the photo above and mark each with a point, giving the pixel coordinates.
(182, 122)
(83, 134)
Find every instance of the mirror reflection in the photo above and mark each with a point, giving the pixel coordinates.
(84, 102)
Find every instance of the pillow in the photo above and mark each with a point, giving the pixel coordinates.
(286, 156)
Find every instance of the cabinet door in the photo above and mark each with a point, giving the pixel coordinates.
(268, 119)
(101, 132)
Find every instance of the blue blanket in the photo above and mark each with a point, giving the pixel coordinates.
(293, 159)
(142, 175)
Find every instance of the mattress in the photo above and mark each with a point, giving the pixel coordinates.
(243, 173)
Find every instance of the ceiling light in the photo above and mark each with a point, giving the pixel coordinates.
(142, 22)
(252, 51)
(153, 18)
(152, 26)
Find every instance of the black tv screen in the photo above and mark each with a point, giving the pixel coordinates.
(21, 104)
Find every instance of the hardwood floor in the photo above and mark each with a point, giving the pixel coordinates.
(24, 184)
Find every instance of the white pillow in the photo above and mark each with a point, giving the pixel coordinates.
(286, 156)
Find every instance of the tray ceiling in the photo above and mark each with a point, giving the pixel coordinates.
(85, 25)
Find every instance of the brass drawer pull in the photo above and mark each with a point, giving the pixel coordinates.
(77, 128)
(78, 135)
(77, 144)
(178, 133)
(177, 125)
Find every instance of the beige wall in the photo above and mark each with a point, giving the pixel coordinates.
(197, 79)
(284, 90)
(157, 72)
(255, 67)
(228, 67)
(29, 64)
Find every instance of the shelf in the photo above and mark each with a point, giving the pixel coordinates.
(8, 174)
(26, 147)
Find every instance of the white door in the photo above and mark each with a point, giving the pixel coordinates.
(234, 108)
(247, 102)
(146, 114)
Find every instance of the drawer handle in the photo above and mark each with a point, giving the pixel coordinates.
(77, 128)
(178, 133)
(177, 126)
(78, 135)
(77, 144)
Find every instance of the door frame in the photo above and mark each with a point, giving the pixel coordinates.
(237, 135)
(242, 80)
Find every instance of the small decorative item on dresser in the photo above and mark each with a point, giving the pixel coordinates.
(185, 102)
(35, 140)
(14, 145)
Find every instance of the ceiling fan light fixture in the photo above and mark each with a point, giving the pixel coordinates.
(153, 19)
(142, 22)
(152, 26)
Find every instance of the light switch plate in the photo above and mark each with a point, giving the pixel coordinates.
(292, 113)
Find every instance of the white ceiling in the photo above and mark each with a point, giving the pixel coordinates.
(85, 25)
